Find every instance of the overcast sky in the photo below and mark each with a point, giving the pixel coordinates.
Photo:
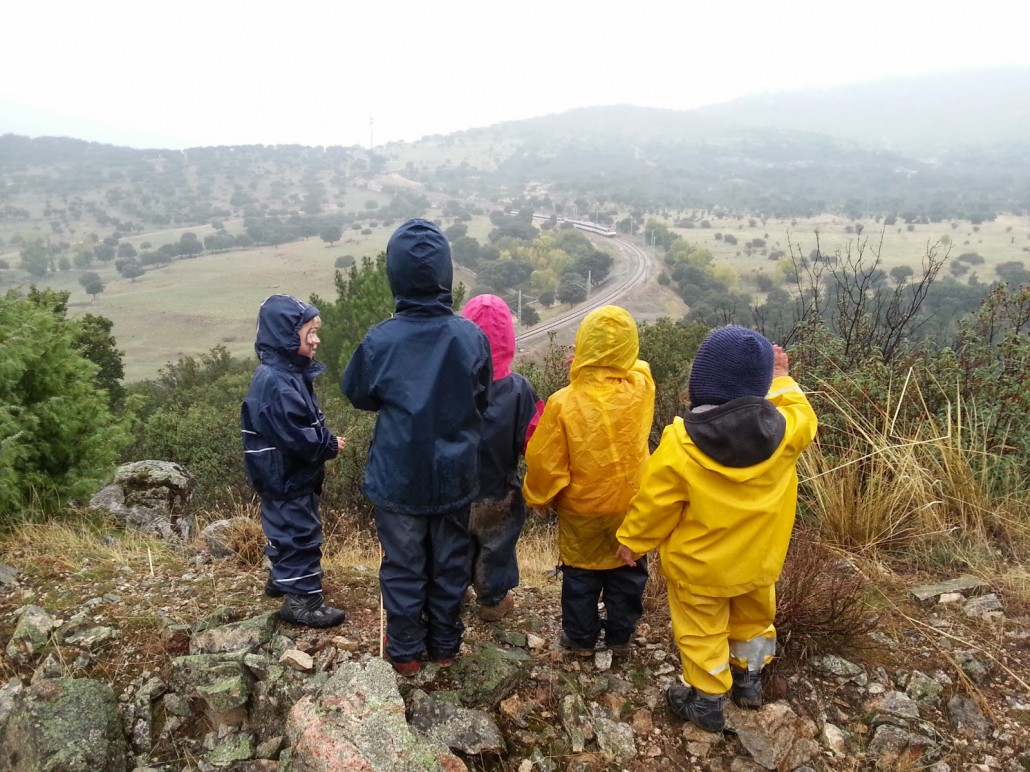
(315, 72)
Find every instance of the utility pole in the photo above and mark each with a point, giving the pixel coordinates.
(520, 307)
(588, 285)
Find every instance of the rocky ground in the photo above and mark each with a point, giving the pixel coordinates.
(941, 684)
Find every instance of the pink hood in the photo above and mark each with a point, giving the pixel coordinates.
(493, 317)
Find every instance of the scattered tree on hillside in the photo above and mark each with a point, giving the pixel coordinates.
(131, 270)
(92, 283)
(530, 316)
(363, 298)
(572, 289)
(35, 258)
(190, 245)
(330, 234)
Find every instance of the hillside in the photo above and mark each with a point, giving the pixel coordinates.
(769, 170)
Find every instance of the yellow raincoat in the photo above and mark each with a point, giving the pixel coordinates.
(589, 449)
(722, 529)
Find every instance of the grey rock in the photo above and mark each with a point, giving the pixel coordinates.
(614, 738)
(31, 634)
(576, 721)
(247, 635)
(984, 607)
(892, 747)
(774, 736)
(965, 715)
(489, 675)
(67, 724)
(356, 721)
(153, 497)
(446, 723)
(215, 537)
(8, 578)
(841, 669)
(967, 585)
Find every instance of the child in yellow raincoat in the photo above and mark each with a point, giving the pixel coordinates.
(585, 459)
(718, 499)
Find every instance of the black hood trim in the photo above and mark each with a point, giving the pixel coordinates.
(741, 433)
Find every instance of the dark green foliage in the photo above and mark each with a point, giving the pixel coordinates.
(59, 438)
(669, 347)
(202, 431)
(530, 316)
(572, 289)
(363, 299)
(94, 340)
(550, 374)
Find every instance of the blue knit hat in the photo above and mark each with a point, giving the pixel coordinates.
(732, 362)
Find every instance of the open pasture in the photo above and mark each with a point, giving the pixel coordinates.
(1006, 239)
(192, 305)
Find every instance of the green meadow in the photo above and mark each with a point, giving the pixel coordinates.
(191, 305)
(1007, 239)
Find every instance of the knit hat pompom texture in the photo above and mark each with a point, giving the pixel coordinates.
(732, 362)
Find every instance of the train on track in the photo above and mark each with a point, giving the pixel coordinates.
(583, 225)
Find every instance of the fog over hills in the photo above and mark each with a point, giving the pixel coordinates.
(940, 146)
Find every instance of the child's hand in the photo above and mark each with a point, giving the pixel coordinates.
(340, 443)
(625, 554)
(781, 364)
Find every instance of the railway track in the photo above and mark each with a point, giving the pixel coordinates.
(639, 263)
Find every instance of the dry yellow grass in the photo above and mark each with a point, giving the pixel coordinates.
(927, 491)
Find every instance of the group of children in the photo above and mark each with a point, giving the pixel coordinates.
(716, 498)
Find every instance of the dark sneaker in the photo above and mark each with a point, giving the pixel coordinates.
(573, 648)
(747, 688)
(311, 611)
(498, 612)
(621, 650)
(272, 589)
(705, 710)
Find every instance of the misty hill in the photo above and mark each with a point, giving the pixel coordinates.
(921, 116)
(940, 147)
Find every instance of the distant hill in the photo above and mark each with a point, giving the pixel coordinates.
(924, 116)
(937, 147)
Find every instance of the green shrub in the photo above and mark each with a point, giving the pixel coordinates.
(58, 438)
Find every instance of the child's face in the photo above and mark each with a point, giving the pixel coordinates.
(309, 339)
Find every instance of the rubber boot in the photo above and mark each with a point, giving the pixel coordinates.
(703, 709)
(747, 688)
(310, 611)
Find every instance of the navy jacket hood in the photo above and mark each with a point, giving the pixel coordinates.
(278, 331)
(418, 265)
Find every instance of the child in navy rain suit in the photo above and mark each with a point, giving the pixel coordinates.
(426, 372)
(499, 511)
(285, 446)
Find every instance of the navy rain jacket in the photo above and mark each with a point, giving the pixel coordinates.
(427, 373)
(285, 439)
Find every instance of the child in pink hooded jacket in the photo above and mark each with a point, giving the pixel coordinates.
(499, 511)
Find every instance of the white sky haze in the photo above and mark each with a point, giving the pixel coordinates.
(188, 73)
